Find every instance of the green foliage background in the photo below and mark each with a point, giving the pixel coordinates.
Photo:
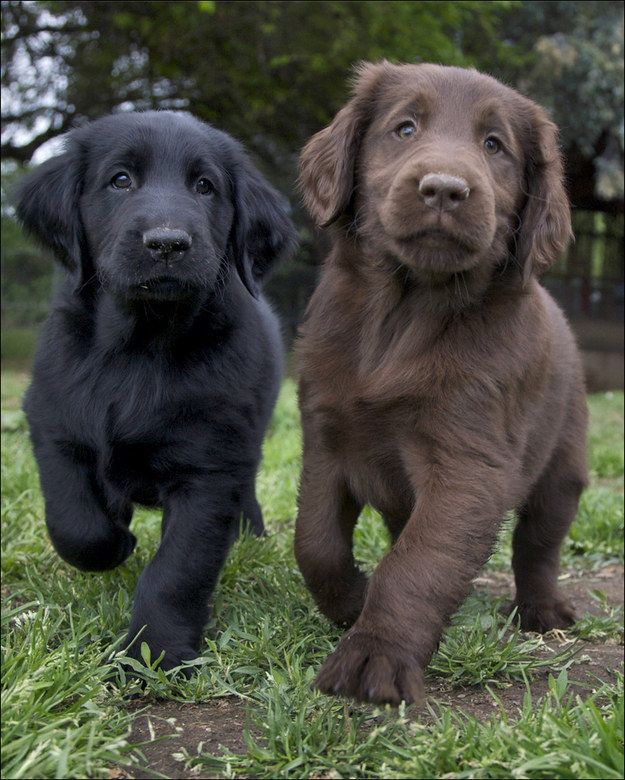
(272, 73)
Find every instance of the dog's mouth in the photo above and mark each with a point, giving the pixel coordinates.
(161, 288)
(436, 250)
(437, 239)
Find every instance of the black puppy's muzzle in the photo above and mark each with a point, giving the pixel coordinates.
(167, 276)
(166, 244)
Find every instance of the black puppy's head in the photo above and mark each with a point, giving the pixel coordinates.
(156, 205)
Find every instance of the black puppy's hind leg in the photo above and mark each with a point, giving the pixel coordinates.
(86, 529)
(250, 519)
(252, 513)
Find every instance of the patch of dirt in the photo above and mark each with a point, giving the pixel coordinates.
(577, 585)
(609, 579)
(602, 664)
(165, 728)
(596, 662)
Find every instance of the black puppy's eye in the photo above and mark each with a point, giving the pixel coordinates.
(406, 130)
(492, 145)
(204, 186)
(121, 181)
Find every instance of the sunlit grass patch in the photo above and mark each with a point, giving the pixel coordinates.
(66, 681)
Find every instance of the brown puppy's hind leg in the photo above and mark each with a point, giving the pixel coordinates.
(543, 523)
(323, 541)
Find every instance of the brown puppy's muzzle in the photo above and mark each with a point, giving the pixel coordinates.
(438, 213)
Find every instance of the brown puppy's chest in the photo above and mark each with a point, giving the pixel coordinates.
(366, 447)
(379, 440)
(388, 413)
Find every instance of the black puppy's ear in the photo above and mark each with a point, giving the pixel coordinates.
(263, 232)
(47, 207)
(546, 219)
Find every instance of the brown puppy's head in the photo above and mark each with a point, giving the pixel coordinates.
(442, 169)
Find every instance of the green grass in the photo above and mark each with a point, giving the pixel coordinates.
(605, 626)
(558, 737)
(61, 629)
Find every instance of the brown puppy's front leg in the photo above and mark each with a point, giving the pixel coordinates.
(415, 590)
(323, 540)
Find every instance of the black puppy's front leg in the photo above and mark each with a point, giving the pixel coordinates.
(88, 528)
(172, 595)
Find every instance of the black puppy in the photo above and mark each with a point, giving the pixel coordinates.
(159, 366)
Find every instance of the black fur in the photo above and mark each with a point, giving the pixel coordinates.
(157, 371)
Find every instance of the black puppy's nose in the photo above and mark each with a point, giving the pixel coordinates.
(164, 241)
(443, 192)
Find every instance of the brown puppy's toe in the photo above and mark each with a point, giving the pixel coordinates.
(368, 669)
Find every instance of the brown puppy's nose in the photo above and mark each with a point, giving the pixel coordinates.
(443, 192)
(164, 242)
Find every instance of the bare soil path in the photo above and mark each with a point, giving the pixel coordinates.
(168, 728)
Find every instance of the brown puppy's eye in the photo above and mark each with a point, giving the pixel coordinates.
(121, 181)
(406, 130)
(204, 187)
(492, 145)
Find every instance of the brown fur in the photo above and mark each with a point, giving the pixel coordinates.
(439, 382)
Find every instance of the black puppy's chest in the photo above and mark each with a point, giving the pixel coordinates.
(143, 423)
(138, 470)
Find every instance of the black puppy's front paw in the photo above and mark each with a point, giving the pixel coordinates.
(92, 548)
(173, 654)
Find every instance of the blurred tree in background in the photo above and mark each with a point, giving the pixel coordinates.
(274, 72)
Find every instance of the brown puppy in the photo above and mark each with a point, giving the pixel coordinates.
(440, 382)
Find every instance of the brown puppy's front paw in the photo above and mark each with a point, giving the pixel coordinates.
(544, 616)
(369, 669)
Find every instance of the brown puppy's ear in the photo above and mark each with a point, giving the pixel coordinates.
(327, 162)
(546, 221)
